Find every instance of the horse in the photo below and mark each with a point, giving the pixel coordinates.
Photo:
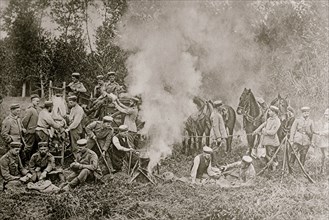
(253, 115)
(285, 114)
(196, 126)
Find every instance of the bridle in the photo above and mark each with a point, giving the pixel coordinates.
(246, 112)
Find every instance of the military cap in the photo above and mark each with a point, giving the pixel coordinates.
(207, 150)
(76, 74)
(247, 159)
(15, 144)
(82, 142)
(274, 109)
(305, 109)
(326, 112)
(14, 106)
(34, 96)
(218, 103)
(111, 73)
(123, 128)
(107, 119)
(48, 104)
(100, 77)
(73, 98)
(42, 144)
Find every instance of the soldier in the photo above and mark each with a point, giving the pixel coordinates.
(121, 146)
(76, 86)
(245, 170)
(29, 122)
(42, 163)
(202, 167)
(131, 113)
(85, 166)
(301, 135)
(269, 130)
(101, 133)
(75, 118)
(12, 170)
(45, 122)
(218, 133)
(12, 128)
(99, 88)
(111, 86)
(324, 142)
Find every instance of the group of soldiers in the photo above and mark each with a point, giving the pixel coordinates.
(300, 138)
(28, 139)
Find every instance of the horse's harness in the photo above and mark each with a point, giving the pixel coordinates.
(250, 118)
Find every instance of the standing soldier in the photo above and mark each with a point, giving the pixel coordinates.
(76, 86)
(29, 122)
(268, 131)
(100, 133)
(218, 133)
(75, 118)
(11, 168)
(12, 127)
(301, 135)
(85, 166)
(45, 122)
(324, 144)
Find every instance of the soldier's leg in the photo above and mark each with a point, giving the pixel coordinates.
(74, 137)
(83, 175)
(296, 148)
(34, 177)
(30, 140)
(71, 176)
(303, 153)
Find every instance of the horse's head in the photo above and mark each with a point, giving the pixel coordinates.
(244, 100)
(282, 104)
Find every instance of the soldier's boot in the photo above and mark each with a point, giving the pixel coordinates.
(71, 184)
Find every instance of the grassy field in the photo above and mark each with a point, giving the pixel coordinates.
(273, 197)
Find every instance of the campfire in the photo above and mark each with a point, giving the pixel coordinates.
(141, 170)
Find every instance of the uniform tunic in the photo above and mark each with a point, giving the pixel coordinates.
(77, 87)
(301, 131)
(104, 135)
(75, 126)
(130, 118)
(246, 174)
(269, 131)
(46, 163)
(29, 122)
(11, 167)
(11, 129)
(325, 135)
(217, 126)
(45, 122)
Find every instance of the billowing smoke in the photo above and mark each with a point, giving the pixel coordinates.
(179, 50)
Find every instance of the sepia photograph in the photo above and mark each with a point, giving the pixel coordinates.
(164, 109)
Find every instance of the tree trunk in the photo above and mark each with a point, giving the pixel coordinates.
(24, 89)
(42, 88)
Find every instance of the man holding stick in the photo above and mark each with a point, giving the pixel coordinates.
(100, 134)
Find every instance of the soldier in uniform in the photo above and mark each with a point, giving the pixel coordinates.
(76, 87)
(301, 134)
(42, 163)
(111, 86)
(11, 168)
(45, 122)
(218, 132)
(202, 167)
(269, 136)
(102, 133)
(75, 119)
(121, 146)
(324, 142)
(29, 122)
(99, 88)
(12, 127)
(86, 165)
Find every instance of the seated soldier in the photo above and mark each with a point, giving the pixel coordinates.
(86, 165)
(42, 163)
(121, 146)
(11, 168)
(244, 169)
(202, 166)
(100, 133)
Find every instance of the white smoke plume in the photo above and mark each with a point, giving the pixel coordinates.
(179, 50)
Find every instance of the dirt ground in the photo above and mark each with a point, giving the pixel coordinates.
(273, 197)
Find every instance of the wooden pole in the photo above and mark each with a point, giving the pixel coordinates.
(50, 89)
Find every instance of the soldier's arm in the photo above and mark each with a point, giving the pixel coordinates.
(260, 127)
(4, 167)
(32, 164)
(26, 118)
(51, 122)
(51, 164)
(90, 128)
(93, 163)
(81, 88)
(77, 120)
(121, 109)
(5, 131)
